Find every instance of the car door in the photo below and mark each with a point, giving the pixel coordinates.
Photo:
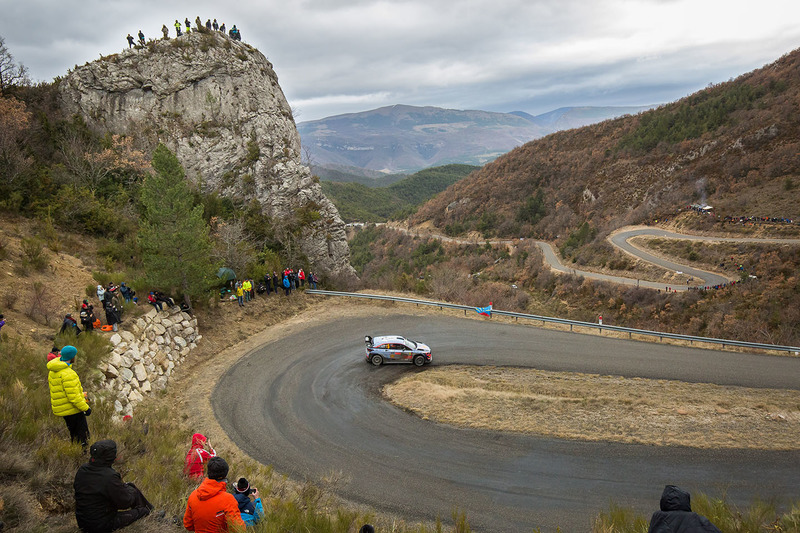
(396, 351)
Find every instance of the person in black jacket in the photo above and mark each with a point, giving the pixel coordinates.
(676, 515)
(103, 502)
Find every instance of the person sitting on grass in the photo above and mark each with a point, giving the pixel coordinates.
(676, 515)
(103, 503)
(210, 506)
(249, 501)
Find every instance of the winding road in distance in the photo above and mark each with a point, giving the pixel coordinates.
(310, 405)
(620, 239)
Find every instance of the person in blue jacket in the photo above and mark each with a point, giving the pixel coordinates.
(249, 501)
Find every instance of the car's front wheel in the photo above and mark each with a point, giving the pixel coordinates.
(377, 360)
(419, 360)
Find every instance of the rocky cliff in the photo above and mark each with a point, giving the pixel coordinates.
(216, 103)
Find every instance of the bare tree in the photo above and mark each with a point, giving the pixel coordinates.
(233, 245)
(12, 74)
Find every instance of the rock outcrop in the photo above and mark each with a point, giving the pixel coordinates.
(216, 103)
(142, 359)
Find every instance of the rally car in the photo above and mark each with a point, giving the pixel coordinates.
(396, 349)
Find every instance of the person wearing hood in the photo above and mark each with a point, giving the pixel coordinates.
(66, 395)
(211, 508)
(102, 501)
(249, 501)
(676, 515)
(101, 291)
(198, 455)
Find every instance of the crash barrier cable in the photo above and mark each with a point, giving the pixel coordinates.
(571, 323)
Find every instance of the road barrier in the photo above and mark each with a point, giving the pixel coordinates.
(571, 323)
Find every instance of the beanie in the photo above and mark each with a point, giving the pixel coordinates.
(217, 468)
(242, 485)
(68, 353)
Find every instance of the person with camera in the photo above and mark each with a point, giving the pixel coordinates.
(249, 501)
(211, 508)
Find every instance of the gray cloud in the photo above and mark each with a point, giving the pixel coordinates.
(338, 56)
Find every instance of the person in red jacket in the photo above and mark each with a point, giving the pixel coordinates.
(211, 508)
(200, 452)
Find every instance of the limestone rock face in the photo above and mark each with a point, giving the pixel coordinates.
(216, 103)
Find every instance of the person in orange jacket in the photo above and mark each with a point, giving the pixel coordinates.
(211, 508)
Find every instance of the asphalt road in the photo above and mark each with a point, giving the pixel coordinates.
(311, 406)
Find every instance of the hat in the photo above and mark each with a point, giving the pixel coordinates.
(242, 485)
(217, 468)
(103, 451)
(68, 353)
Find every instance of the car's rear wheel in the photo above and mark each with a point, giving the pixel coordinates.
(419, 360)
(376, 360)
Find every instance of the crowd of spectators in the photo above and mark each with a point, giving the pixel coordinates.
(289, 280)
(186, 28)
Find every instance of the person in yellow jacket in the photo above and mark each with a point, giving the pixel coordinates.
(66, 395)
(247, 287)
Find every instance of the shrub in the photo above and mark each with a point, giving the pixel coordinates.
(33, 253)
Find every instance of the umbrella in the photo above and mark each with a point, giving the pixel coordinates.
(226, 274)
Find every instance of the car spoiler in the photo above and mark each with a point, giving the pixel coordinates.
(368, 340)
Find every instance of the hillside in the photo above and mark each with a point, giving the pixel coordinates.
(733, 145)
(357, 202)
(403, 138)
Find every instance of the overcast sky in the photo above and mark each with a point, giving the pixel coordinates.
(342, 56)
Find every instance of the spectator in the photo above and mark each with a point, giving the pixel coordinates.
(54, 353)
(130, 40)
(100, 493)
(154, 302)
(87, 316)
(161, 297)
(301, 276)
(188, 26)
(208, 24)
(66, 395)
(69, 325)
(366, 528)
(165, 31)
(268, 283)
(222, 28)
(101, 292)
(240, 294)
(210, 506)
(215, 25)
(141, 38)
(199, 23)
(249, 501)
(200, 452)
(276, 281)
(313, 280)
(676, 515)
(247, 288)
(112, 315)
(126, 292)
(177, 28)
(287, 286)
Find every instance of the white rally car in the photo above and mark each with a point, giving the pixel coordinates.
(396, 349)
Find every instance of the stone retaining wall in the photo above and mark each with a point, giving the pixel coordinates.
(144, 356)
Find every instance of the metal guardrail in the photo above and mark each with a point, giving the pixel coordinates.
(571, 323)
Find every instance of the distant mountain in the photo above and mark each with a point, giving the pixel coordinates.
(404, 139)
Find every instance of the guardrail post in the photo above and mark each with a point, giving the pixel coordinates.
(570, 327)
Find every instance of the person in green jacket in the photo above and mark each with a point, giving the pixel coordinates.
(67, 397)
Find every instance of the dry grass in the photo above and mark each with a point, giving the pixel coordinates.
(603, 408)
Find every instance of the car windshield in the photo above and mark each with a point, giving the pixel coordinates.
(412, 344)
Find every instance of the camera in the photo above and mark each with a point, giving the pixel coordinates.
(249, 491)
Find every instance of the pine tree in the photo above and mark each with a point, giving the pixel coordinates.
(174, 238)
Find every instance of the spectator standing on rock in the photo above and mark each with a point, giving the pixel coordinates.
(208, 24)
(188, 25)
(199, 23)
(676, 515)
(222, 28)
(66, 395)
(130, 40)
(177, 28)
(165, 31)
(198, 455)
(215, 25)
(141, 38)
(100, 494)
(210, 506)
